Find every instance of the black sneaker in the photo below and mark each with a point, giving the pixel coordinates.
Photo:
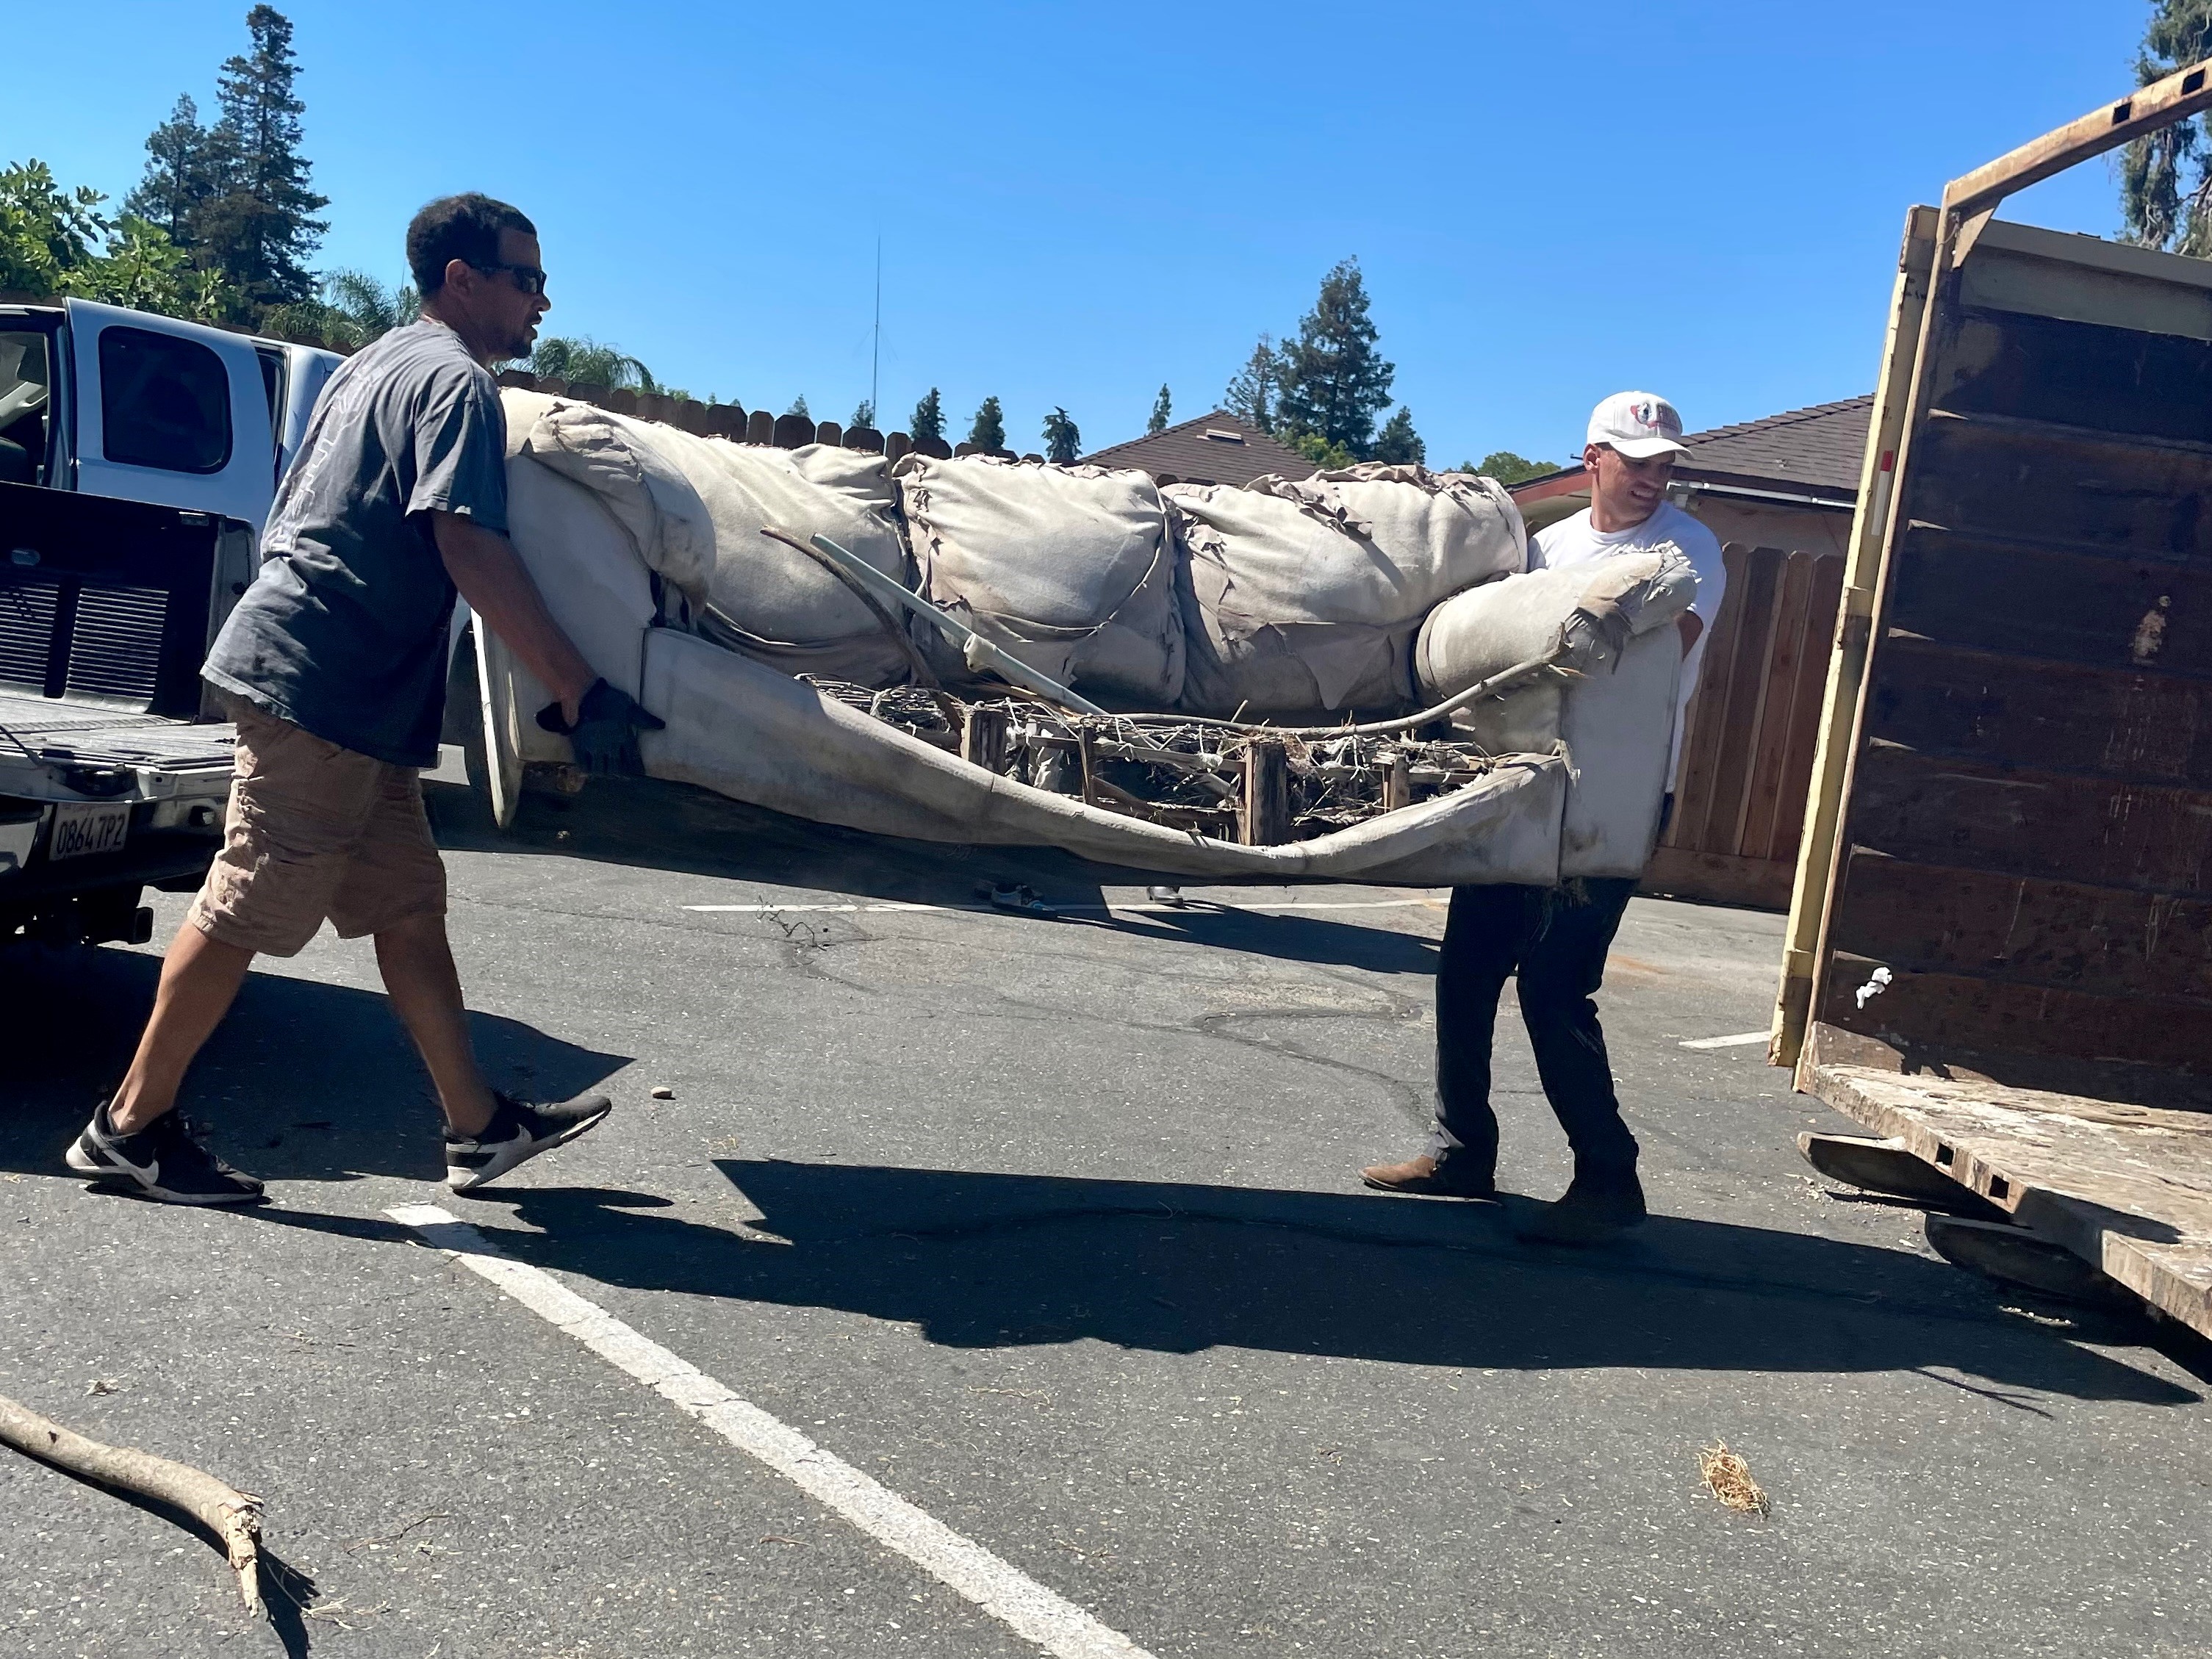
(1592, 1210)
(518, 1130)
(164, 1160)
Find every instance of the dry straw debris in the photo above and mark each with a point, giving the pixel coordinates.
(1729, 1478)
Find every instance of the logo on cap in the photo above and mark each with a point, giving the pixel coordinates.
(1639, 424)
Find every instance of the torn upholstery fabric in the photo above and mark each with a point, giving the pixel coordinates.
(695, 507)
(1068, 568)
(1304, 594)
(1515, 619)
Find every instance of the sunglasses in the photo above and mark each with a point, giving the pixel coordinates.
(528, 278)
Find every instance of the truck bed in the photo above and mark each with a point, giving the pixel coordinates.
(72, 733)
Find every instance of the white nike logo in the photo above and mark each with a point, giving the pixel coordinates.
(150, 1172)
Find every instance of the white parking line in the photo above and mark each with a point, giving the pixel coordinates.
(1198, 905)
(1740, 1040)
(1011, 1596)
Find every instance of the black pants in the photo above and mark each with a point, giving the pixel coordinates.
(1554, 940)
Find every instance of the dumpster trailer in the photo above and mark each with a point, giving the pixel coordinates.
(1999, 954)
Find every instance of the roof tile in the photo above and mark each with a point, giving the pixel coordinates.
(1824, 446)
(1215, 448)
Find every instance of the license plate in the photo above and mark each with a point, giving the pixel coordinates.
(82, 830)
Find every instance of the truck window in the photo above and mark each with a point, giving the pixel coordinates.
(25, 382)
(164, 402)
(272, 382)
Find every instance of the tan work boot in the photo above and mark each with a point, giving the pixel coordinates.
(1425, 1178)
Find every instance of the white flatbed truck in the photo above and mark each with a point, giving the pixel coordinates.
(139, 458)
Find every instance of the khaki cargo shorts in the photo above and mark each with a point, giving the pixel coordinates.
(315, 832)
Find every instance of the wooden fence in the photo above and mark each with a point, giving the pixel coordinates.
(1748, 754)
(732, 420)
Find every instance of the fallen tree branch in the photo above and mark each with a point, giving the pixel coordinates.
(233, 1517)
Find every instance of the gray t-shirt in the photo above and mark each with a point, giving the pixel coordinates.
(343, 632)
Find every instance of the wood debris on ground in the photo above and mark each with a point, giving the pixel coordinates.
(231, 1516)
(1728, 1477)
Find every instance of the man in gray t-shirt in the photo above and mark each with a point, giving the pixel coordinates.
(333, 668)
(345, 631)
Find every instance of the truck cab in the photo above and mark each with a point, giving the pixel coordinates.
(139, 456)
(101, 401)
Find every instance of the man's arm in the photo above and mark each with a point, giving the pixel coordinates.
(1689, 621)
(485, 567)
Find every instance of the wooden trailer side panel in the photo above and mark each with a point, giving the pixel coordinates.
(1828, 775)
(2023, 891)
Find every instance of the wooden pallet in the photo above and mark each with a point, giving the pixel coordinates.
(2128, 1188)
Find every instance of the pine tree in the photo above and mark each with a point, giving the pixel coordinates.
(260, 230)
(1063, 439)
(1333, 382)
(989, 430)
(1251, 396)
(928, 419)
(181, 175)
(1162, 408)
(799, 407)
(2165, 179)
(1398, 443)
(864, 414)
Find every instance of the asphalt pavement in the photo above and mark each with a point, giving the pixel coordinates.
(1048, 1224)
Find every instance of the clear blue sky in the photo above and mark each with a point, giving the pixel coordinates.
(1075, 204)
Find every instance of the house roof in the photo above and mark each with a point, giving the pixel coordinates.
(1215, 448)
(1816, 452)
(1823, 447)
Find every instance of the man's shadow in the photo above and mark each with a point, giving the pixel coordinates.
(305, 1080)
(994, 1261)
(649, 823)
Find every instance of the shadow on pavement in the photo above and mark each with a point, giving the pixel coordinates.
(286, 1592)
(646, 824)
(303, 1081)
(1294, 937)
(649, 823)
(995, 1260)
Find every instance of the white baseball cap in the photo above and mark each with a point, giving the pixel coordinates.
(1639, 424)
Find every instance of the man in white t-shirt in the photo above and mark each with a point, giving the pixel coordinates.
(1553, 940)
(1634, 438)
